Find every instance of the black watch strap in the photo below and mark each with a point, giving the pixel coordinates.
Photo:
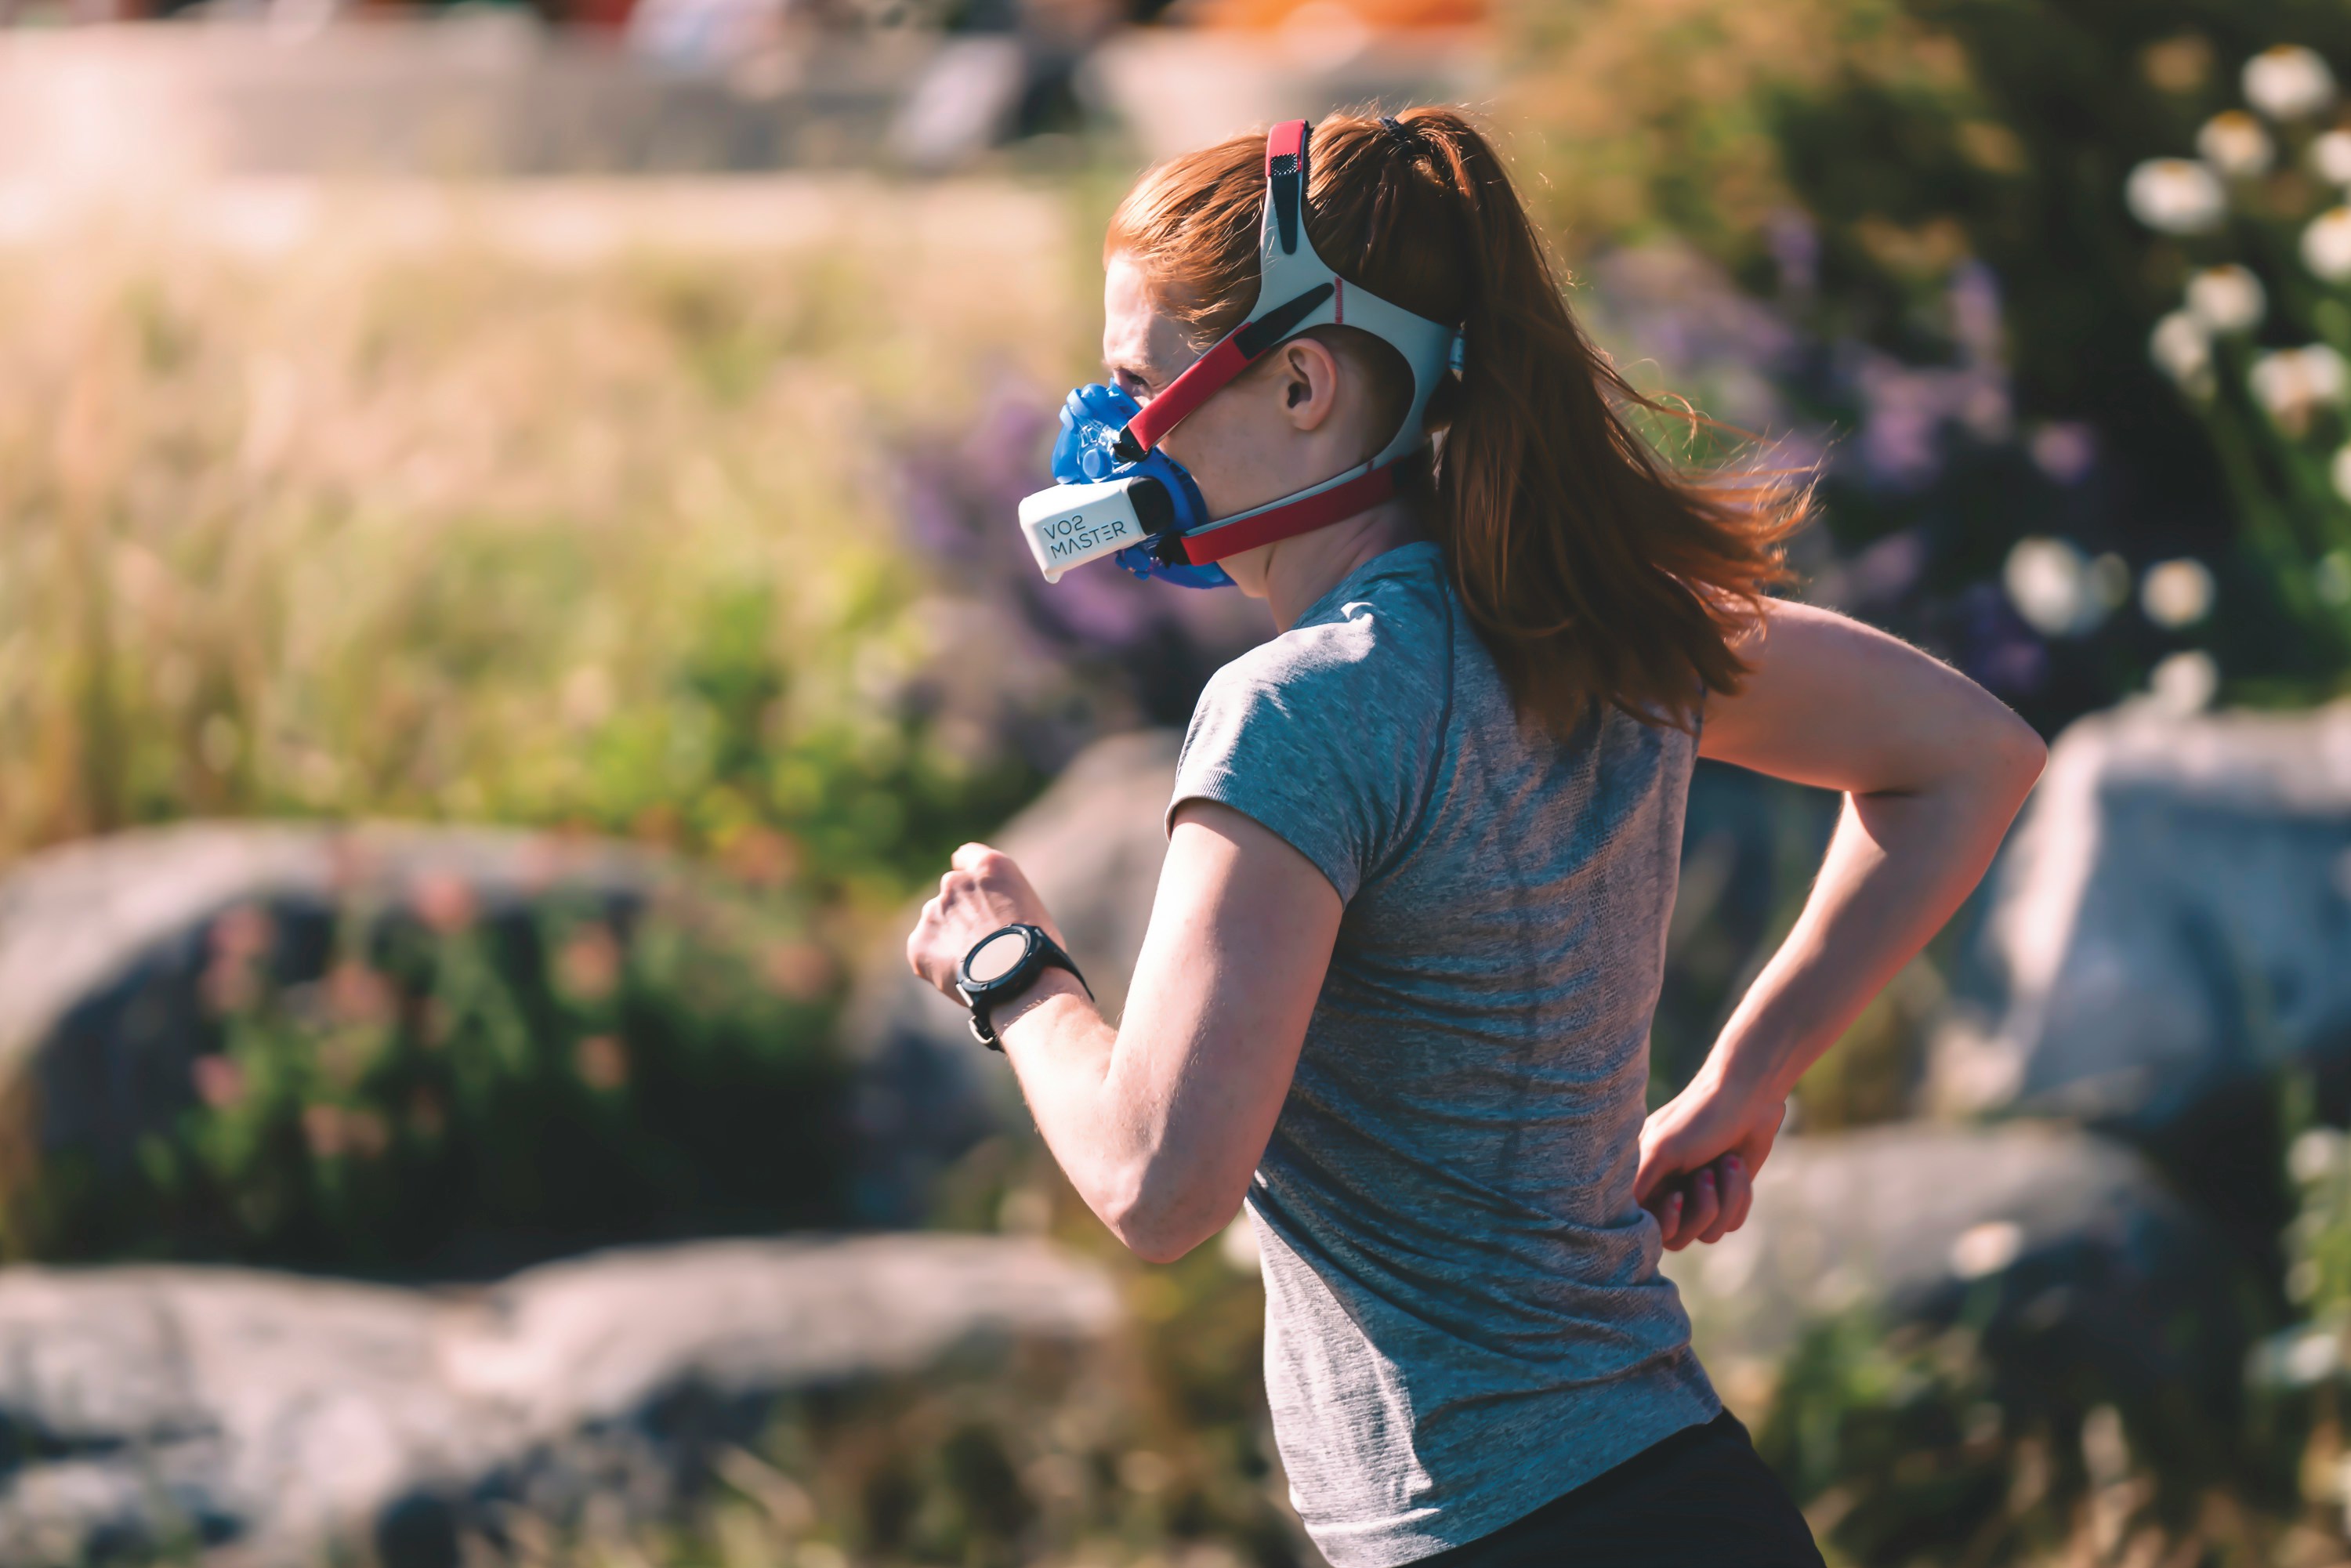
(1042, 953)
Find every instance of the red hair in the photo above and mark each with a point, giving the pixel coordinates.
(1592, 568)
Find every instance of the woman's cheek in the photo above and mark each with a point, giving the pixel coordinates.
(1216, 459)
(1183, 445)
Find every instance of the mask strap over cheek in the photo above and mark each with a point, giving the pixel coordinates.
(1217, 369)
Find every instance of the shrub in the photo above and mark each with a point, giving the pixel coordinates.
(446, 1089)
(1931, 194)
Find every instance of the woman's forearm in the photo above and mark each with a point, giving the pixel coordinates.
(1159, 1121)
(1062, 1051)
(1151, 1169)
(1897, 867)
(1932, 768)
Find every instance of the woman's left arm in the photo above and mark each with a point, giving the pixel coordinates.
(1933, 769)
(1160, 1121)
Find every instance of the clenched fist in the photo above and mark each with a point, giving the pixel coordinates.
(983, 891)
(1700, 1153)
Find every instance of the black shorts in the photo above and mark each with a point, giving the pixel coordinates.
(1700, 1499)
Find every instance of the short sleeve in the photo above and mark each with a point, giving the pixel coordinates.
(1328, 736)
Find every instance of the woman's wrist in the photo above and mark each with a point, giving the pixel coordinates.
(1049, 985)
(1748, 1068)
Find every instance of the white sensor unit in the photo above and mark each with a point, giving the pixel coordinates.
(1070, 525)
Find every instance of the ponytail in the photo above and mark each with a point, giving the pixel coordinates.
(1592, 569)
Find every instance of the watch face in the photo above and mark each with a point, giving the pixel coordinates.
(995, 957)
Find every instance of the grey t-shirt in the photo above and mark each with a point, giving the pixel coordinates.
(1464, 1315)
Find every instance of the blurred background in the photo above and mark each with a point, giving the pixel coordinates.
(508, 594)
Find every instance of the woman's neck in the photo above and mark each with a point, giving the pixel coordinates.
(1298, 571)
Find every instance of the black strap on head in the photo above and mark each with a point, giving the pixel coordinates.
(1286, 177)
(1273, 326)
(1403, 135)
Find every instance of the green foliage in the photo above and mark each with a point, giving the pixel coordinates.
(1896, 1444)
(1910, 1447)
(462, 1089)
(1650, 120)
(2318, 1238)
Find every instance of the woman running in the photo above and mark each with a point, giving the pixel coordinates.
(1396, 991)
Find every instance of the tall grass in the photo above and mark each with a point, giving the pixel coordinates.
(571, 508)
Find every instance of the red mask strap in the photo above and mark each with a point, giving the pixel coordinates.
(1285, 190)
(1202, 380)
(1308, 513)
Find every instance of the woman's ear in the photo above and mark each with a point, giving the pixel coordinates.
(1309, 383)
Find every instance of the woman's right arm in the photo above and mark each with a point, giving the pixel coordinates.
(1933, 769)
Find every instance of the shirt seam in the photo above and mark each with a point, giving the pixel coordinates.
(1424, 812)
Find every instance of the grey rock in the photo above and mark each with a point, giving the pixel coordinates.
(2171, 920)
(2061, 1247)
(103, 944)
(277, 1417)
(1093, 845)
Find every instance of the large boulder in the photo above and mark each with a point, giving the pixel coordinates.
(284, 1419)
(2062, 1248)
(2171, 924)
(1093, 845)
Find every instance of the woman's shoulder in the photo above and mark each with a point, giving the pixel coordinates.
(1386, 636)
(1330, 733)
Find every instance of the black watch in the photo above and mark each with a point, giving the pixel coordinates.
(1003, 964)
